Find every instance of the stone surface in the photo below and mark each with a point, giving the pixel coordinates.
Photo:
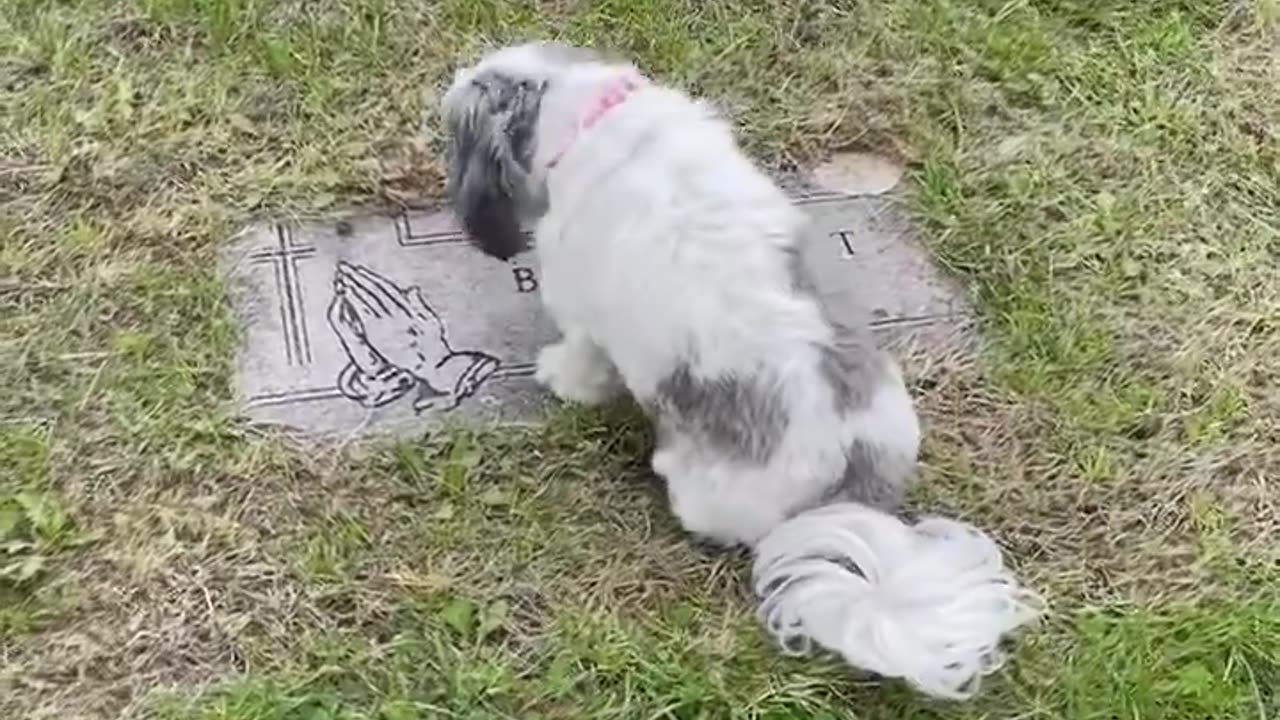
(858, 173)
(392, 324)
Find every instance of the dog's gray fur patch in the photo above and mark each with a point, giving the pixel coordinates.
(491, 146)
(742, 416)
(852, 365)
(508, 108)
(866, 480)
(852, 373)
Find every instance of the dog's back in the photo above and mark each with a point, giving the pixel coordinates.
(679, 256)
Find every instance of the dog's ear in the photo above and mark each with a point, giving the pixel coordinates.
(492, 124)
(483, 200)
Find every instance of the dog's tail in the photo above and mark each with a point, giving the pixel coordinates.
(928, 602)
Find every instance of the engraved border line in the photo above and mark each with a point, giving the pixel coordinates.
(407, 237)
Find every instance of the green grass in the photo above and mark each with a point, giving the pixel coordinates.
(1105, 176)
(1184, 662)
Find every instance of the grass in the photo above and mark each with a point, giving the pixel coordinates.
(1103, 175)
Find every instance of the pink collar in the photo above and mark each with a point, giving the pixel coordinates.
(613, 94)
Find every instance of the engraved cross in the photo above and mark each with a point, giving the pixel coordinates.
(283, 259)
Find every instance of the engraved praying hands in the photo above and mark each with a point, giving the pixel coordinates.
(395, 342)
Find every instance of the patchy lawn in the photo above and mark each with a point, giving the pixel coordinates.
(1105, 176)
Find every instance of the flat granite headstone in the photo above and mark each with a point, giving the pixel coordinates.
(377, 324)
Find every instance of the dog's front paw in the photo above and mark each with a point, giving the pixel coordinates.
(550, 358)
(575, 376)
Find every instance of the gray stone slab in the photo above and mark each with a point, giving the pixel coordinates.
(392, 324)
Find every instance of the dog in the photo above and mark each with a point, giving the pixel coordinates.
(669, 263)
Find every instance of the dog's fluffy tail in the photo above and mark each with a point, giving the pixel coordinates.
(928, 602)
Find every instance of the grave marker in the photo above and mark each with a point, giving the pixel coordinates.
(391, 324)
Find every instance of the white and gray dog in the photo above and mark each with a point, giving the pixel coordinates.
(669, 263)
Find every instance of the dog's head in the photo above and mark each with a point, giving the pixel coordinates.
(491, 114)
